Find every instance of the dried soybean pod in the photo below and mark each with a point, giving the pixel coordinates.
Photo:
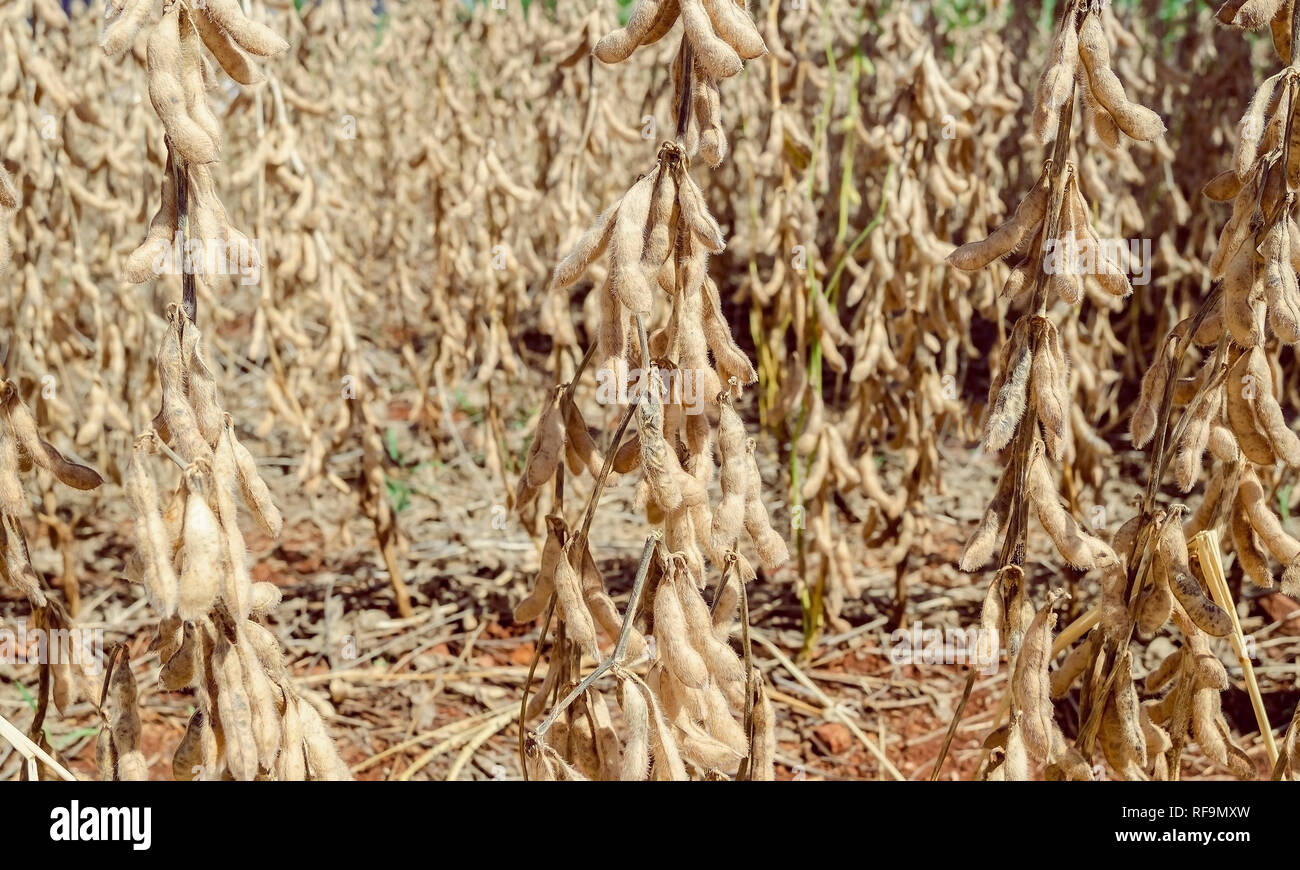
(1007, 406)
(253, 37)
(122, 27)
(1250, 553)
(772, 549)
(22, 426)
(1191, 447)
(168, 94)
(590, 246)
(1028, 215)
(1142, 424)
(261, 699)
(627, 279)
(1250, 129)
(545, 450)
(1122, 738)
(673, 639)
(1240, 389)
(695, 214)
(763, 746)
(731, 21)
(124, 723)
(1164, 672)
(196, 102)
(1072, 666)
(1071, 542)
(1045, 383)
(619, 44)
(573, 609)
(291, 762)
(1224, 187)
(635, 762)
(178, 671)
(1282, 292)
(532, 606)
(152, 540)
(1030, 684)
(257, 496)
(1207, 615)
(667, 757)
(1281, 545)
(203, 550)
(579, 440)
(323, 761)
(1155, 607)
(1137, 122)
(1284, 442)
(1055, 84)
(233, 710)
(669, 12)
(141, 265)
(225, 50)
(715, 56)
(979, 548)
(187, 761)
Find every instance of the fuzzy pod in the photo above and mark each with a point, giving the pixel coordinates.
(1031, 685)
(252, 36)
(732, 22)
(187, 761)
(573, 608)
(772, 549)
(979, 547)
(1250, 552)
(1195, 440)
(167, 92)
(1072, 666)
(261, 698)
(256, 494)
(141, 264)
(1240, 390)
(1137, 122)
(627, 278)
(695, 215)
(1283, 441)
(323, 760)
(673, 639)
(1045, 379)
(667, 760)
(1266, 524)
(589, 246)
(22, 427)
(204, 552)
(227, 52)
(712, 53)
(1056, 82)
(544, 585)
(635, 760)
(122, 26)
(178, 670)
(124, 723)
(1028, 215)
(544, 452)
(1076, 546)
(619, 44)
